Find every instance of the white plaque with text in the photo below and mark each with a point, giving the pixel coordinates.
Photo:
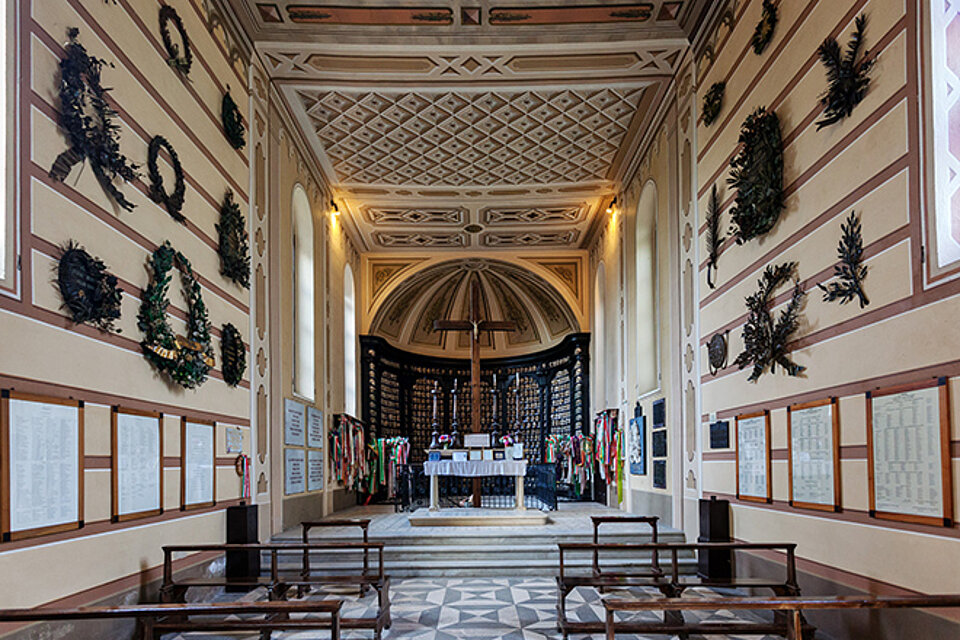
(314, 428)
(752, 451)
(294, 471)
(294, 417)
(44, 464)
(812, 455)
(138, 464)
(907, 473)
(314, 470)
(198, 463)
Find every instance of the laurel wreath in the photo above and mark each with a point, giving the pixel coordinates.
(186, 360)
(232, 121)
(232, 355)
(234, 248)
(172, 202)
(174, 59)
(757, 175)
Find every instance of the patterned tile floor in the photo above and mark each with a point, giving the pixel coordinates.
(481, 609)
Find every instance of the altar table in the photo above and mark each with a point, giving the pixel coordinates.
(474, 469)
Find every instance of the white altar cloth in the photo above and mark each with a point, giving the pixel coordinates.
(475, 468)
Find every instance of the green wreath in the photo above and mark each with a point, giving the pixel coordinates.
(174, 59)
(233, 355)
(95, 137)
(232, 121)
(186, 360)
(234, 248)
(757, 175)
(172, 202)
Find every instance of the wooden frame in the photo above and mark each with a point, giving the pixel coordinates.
(945, 458)
(116, 516)
(183, 463)
(769, 465)
(834, 405)
(5, 502)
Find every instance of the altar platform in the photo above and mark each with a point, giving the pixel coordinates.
(484, 551)
(468, 517)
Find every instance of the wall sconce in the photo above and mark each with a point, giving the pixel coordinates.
(612, 206)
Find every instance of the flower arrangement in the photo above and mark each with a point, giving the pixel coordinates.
(507, 440)
(446, 440)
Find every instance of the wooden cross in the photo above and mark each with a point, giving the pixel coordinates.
(474, 325)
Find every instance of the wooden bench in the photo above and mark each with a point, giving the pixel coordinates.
(279, 582)
(789, 624)
(671, 584)
(362, 523)
(650, 521)
(158, 619)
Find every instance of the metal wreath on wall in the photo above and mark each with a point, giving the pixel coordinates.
(181, 63)
(763, 33)
(757, 175)
(232, 121)
(89, 292)
(847, 75)
(234, 245)
(713, 102)
(172, 202)
(717, 350)
(850, 272)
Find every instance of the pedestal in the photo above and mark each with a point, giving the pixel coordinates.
(242, 529)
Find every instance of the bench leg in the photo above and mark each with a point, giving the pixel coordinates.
(383, 595)
(562, 592)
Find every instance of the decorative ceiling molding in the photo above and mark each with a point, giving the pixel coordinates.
(569, 272)
(536, 214)
(530, 239)
(407, 216)
(384, 272)
(401, 240)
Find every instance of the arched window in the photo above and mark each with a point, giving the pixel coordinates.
(599, 340)
(349, 343)
(645, 235)
(304, 352)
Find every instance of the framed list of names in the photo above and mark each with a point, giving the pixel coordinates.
(42, 461)
(137, 478)
(908, 453)
(813, 436)
(753, 457)
(198, 477)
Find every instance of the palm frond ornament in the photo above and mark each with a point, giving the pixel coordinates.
(851, 271)
(847, 75)
(714, 236)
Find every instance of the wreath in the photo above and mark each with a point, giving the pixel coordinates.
(713, 102)
(186, 360)
(87, 119)
(765, 340)
(763, 34)
(757, 175)
(234, 248)
(89, 292)
(233, 355)
(172, 202)
(232, 121)
(174, 59)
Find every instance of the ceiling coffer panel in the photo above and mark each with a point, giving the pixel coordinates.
(507, 292)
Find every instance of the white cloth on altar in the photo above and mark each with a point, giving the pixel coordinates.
(475, 468)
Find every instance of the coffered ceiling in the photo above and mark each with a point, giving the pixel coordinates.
(471, 125)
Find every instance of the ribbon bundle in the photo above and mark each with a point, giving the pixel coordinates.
(386, 455)
(348, 456)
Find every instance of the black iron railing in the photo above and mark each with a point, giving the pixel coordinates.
(497, 492)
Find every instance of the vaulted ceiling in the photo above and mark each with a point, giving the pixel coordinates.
(467, 125)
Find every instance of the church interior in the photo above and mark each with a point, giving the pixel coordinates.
(446, 319)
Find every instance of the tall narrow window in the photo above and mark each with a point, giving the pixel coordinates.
(942, 53)
(7, 91)
(647, 356)
(349, 344)
(304, 352)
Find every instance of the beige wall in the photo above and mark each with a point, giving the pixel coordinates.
(43, 352)
(869, 163)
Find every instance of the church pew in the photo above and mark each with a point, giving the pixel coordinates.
(651, 521)
(362, 523)
(159, 619)
(279, 581)
(670, 584)
(791, 625)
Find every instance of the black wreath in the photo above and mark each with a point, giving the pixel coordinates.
(172, 202)
(763, 33)
(95, 137)
(89, 292)
(757, 175)
(713, 102)
(233, 353)
(174, 59)
(234, 249)
(232, 122)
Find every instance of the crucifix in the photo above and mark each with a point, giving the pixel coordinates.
(474, 325)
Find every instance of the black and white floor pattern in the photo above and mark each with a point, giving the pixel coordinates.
(482, 609)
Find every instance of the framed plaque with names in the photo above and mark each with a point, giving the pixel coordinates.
(753, 457)
(41, 465)
(314, 428)
(198, 463)
(813, 455)
(136, 463)
(294, 421)
(908, 453)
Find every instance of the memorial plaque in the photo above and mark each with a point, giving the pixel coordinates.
(198, 470)
(720, 434)
(314, 470)
(137, 464)
(294, 471)
(659, 474)
(659, 443)
(234, 438)
(294, 418)
(314, 428)
(813, 434)
(753, 457)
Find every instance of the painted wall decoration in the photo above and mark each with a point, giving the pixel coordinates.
(180, 62)
(172, 202)
(185, 360)
(757, 175)
(847, 75)
(234, 247)
(89, 292)
(88, 120)
(851, 271)
(765, 339)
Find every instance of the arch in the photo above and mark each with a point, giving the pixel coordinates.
(598, 341)
(349, 342)
(646, 290)
(304, 344)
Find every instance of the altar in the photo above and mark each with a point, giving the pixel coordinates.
(474, 469)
